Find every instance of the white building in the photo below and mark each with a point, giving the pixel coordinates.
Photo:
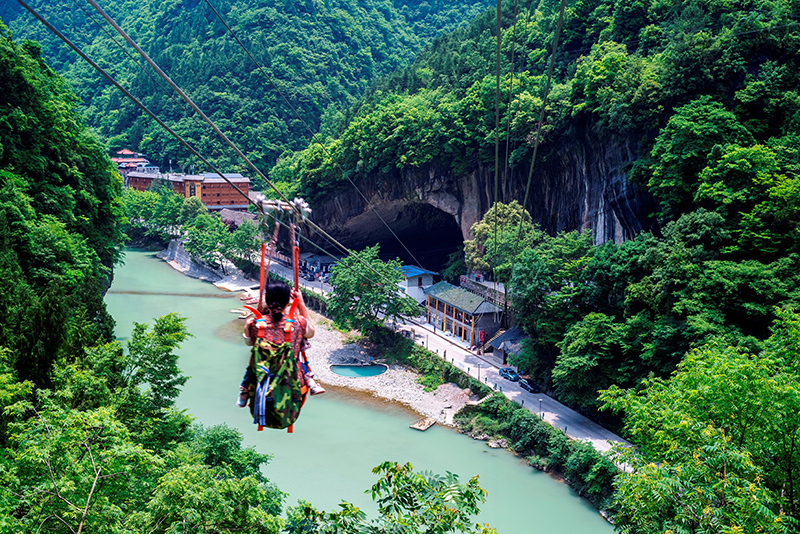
(416, 281)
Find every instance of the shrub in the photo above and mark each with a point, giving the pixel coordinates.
(539, 462)
(590, 473)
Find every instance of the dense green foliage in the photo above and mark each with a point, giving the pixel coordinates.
(620, 72)
(366, 292)
(89, 437)
(322, 55)
(59, 218)
(717, 441)
(104, 450)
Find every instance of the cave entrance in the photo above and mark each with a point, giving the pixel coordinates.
(430, 234)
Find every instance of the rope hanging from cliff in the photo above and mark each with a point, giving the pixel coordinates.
(511, 93)
(497, 106)
(556, 38)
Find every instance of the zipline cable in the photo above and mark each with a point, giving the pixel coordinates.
(211, 123)
(313, 135)
(127, 93)
(185, 97)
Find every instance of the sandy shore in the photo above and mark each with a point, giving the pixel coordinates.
(398, 383)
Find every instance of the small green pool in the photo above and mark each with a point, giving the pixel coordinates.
(359, 370)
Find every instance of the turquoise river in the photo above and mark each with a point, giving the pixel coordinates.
(340, 437)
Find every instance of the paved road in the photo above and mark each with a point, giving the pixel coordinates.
(487, 371)
(482, 367)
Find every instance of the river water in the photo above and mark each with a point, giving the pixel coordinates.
(341, 436)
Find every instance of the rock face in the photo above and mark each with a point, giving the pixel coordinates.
(583, 185)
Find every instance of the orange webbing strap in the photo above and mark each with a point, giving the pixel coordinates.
(265, 269)
(287, 332)
(297, 268)
(290, 320)
(261, 279)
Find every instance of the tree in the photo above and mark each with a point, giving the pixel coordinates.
(244, 241)
(683, 147)
(194, 497)
(716, 442)
(455, 266)
(165, 219)
(73, 470)
(208, 239)
(190, 209)
(503, 232)
(547, 292)
(152, 362)
(585, 364)
(366, 292)
(407, 502)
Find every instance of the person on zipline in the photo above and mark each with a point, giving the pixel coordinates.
(276, 300)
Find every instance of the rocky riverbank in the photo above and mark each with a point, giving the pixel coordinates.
(398, 383)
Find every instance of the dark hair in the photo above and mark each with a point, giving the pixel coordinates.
(276, 297)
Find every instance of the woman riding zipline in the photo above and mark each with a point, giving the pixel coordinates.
(278, 377)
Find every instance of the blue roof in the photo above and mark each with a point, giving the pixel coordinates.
(412, 270)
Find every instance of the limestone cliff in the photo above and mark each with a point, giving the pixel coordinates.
(582, 185)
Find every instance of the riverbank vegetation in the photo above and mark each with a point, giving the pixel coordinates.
(587, 471)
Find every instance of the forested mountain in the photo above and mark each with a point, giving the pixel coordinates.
(321, 54)
(621, 71)
(707, 91)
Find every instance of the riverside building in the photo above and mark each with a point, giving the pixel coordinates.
(215, 193)
(463, 314)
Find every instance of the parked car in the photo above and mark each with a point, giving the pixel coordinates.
(509, 374)
(528, 385)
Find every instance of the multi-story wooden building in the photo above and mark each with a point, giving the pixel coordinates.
(465, 315)
(213, 191)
